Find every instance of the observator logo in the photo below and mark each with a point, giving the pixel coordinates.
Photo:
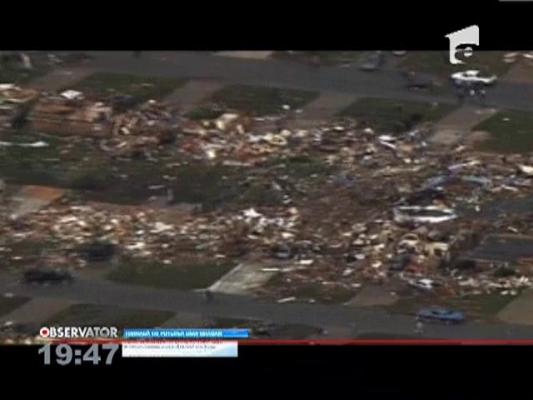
(78, 332)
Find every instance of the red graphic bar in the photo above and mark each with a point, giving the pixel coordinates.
(326, 342)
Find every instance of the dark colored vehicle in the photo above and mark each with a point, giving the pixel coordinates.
(97, 251)
(418, 81)
(372, 62)
(437, 314)
(39, 275)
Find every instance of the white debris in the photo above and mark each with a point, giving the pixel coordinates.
(72, 94)
(526, 169)
(460, 166)
(225, 120)
(136, 246)
(160, 227)
(347, 272)
(251, 213)
(34, 145)
(425, 284)
(429, 214)
(286, 300)
(270, 269)
(387, 138)
(6, 86)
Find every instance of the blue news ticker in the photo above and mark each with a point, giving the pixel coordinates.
(186, 333)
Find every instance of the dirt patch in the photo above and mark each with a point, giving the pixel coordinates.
(477, 137)
(372, 295)
(519, 311)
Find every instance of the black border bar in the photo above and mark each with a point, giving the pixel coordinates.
(359, 25)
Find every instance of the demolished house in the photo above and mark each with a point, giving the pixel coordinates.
(14, 103)
(70, 114)
(150, 125)
(390, 206)
(122, 133)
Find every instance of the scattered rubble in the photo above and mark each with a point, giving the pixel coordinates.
(13, 103)
(70, 115)
(356, 205)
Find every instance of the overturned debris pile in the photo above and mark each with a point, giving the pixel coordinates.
(14, 103)
(148, 126)
(70, 114)
(356, 206)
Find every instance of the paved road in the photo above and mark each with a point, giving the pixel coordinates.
(203, 65)
(359, 321)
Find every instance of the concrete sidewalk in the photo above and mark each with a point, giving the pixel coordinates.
(251, 55)
(192, 94)
(61, 78)
(32, 198)
(324, 108)
(519, 311)
(456, 126)
(243, 279)
(36, 311)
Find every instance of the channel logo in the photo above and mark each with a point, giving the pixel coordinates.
(78, 332)
(466, 36)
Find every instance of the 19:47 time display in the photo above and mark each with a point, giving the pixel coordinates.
(64, 354)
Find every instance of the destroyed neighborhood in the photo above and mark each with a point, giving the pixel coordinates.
(289, 209)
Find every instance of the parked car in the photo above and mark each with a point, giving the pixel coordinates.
(45, 275)
(419, 81)
(372, 62)
(472, 77)
(97, 251)
(438, 314)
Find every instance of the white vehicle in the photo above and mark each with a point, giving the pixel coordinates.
(472, 76)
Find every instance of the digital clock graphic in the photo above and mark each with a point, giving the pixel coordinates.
(64, 354)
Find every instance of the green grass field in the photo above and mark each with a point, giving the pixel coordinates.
(8, 304)
(141, 87)
(186, 276)
(327, 58)
(311, 291)
(475, 307)
(387, 115)
(80, 165)
(510, 132)
(288, 331)
(205, 112)
(97, 315)
(437, 63)
(260, 100)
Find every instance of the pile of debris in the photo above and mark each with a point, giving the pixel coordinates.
(389, 205)
(69, 113)
(14, 102)
(150, 125)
